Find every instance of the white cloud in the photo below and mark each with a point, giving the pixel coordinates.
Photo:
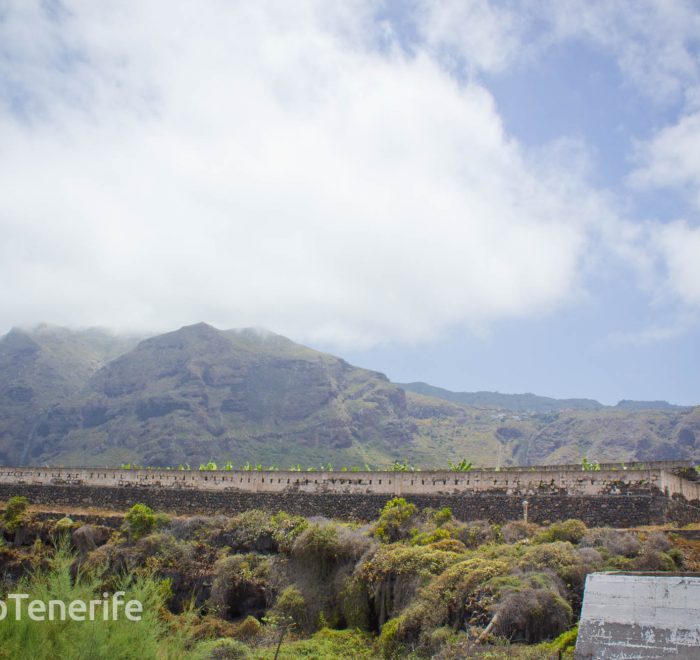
(653, 42)
(485, 35)
(679, 245)
(672, 158)
(267, 164)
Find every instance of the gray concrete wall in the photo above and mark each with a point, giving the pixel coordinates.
(517, 482)
(629, 616)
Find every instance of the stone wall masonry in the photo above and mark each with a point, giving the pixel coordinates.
(613, 510)
(611, 496)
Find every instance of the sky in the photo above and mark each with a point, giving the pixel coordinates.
(481, 195)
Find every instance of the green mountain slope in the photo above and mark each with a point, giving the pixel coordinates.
(42, 368)
(197, 393)
(90, 398)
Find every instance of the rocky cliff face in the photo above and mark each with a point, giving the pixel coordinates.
(198, 393)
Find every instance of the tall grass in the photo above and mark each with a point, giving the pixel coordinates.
(151, 637)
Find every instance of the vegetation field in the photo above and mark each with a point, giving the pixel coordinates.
(413, 584)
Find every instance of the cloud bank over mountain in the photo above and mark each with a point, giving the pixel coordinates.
(316, 168)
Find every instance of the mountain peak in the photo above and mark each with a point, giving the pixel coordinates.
(198, 328)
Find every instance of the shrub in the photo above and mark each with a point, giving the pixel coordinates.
(395, 520)
(240, 586)
(657, 541)
(442, 516)
(139, 521)
(654, 560)
(394, 573)
(518, 530)
(560, 557)
(326, 644)
(286, 530)
(248, 629)
(571, 530)
(149, 637)
(449, 545)
(677, 557)
(424, 538)
(388, 643)
(195, 527)
(452, 598)
(323, 547)
(252, 531)
(476, 533)
(15, 512)
(532, 615)
(354, 603)
(222, 649)
(63, 527)
(591, 558)
(292, 605)
(612, 541)
(503, 585)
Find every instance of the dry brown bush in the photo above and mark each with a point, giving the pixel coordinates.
(532, 615)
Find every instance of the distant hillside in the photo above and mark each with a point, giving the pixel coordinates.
(626, 404)
(529, 402)
(514, 402)
(198, 393)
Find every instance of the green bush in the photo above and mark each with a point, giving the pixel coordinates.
(324, 645)
(388, 643)
(248, 630)
(476, 533)
(677, 557)
(286, 530)
(395, 520)
(394, 573)
(518, 530)
(424, 538)
(560, 557)
(291, 604)
(15, 512)
(355, 603)
(571, 530)
(222, 649)
(653, 560)
(321, 548)
(449, 545)
(452, 598)
(252, 531)
(442, 516)
(139, 521)
(150, 637)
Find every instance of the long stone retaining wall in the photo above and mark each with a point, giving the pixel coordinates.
(610, 496)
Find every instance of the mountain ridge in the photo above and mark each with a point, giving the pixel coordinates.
(199, 393)
(528, 402)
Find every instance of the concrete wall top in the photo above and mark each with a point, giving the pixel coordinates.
(636, 616)
(524, 482)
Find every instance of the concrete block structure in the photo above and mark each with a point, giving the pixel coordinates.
(640, 616)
